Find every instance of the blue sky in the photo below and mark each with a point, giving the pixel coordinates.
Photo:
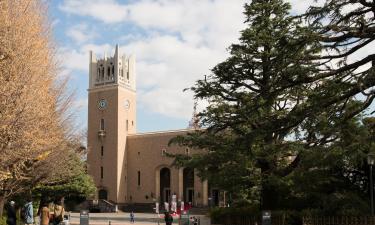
(176, 42)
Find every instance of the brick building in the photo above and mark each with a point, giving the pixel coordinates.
(130, 167)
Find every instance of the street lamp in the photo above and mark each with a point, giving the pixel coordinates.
(371, 162)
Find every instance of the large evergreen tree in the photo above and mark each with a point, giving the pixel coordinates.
(273, 99)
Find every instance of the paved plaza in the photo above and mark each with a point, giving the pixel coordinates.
(124, 219)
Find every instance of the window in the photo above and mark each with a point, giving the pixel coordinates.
(102, 124)
(127, 75)
(108, 72)
(113, 70)
(132, 123)
(127, 125)
(187, 151)
(139, 178)
(102, 151)
(163, 152)
(101, 172)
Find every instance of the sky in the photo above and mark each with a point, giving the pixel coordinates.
(176, 42)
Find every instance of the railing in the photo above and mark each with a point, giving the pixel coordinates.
(282, 220)
(106, 206)
(248, 220)
(339, 220)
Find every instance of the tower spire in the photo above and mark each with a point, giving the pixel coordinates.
(194, 122)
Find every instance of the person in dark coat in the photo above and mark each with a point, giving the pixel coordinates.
(168, 218)
(11, 214)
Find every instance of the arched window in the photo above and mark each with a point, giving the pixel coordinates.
(108, 72)
(113, 70)
(102, 73)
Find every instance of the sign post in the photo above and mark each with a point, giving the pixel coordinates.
(84, 217)
(266, 218)
(157, 211)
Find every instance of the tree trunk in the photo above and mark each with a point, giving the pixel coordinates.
(2, 201)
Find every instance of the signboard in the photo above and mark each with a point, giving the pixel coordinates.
(157, 207)
(182, 206)
(174, 203)
(184, 218)
(166, 206)
(266, 218)
(84, 217)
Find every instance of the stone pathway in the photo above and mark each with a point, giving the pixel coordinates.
(124, 219)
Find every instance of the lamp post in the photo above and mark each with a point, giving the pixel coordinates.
(371, 162)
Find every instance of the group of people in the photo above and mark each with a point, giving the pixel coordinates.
(47, 216)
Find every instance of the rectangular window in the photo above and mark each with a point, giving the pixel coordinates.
(139, 178)
(102, 124)
(101, 172)
(127, 125)
(102, 151)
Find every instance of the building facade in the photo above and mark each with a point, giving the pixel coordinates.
(130, 167)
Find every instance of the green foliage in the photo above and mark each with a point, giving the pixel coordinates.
(282, 127)
(79, 186)
(75, 187)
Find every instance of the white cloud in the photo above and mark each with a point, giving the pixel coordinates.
(81, 33)
(166, 64)
(176, 43)
(78, 59)
(107, 11)
(299, 6)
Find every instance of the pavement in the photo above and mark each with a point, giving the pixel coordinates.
(124, 219)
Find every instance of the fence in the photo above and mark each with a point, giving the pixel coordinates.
(339, 220)
(282, 220)
(248, 220)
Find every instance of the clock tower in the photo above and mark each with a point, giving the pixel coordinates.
(111, 117)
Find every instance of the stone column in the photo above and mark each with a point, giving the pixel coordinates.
(180, 184)
(197, 189)
(157, 185)
(205, 193)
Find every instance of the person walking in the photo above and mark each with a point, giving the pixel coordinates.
(132, 217)
(11, 214)
(168, 218)
(58, 211)
(44, 214)
(28, 212)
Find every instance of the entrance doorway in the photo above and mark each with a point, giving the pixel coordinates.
(215, 197)
(188, 185)
(190, 195)
(165, 185)
(103, 194)
(167, 194)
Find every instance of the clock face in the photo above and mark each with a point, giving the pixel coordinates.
(127, 104)
(102, 104)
